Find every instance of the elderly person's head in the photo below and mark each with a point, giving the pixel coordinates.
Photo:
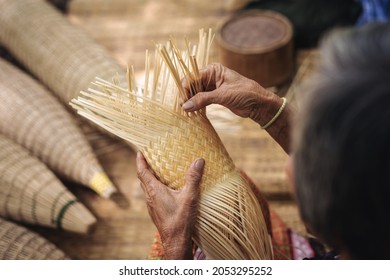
(342, 145)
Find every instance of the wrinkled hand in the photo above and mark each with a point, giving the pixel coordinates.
(173, 212)
(243, 96)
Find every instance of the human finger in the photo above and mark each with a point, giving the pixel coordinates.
(144, 174)
(194, 176)
(206, 78)
(201, 100)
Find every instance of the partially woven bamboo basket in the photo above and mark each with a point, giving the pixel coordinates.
(19, 243)
(30, 192)
(230, 224)
(33, 117)
(61, 55)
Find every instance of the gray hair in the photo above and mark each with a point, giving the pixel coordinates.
(341, 144)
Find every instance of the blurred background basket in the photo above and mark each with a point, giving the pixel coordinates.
(60, 54)
(19, 243)
(258, 45)
(30, 192)
(35, 119)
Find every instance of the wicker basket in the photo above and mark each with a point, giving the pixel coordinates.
(62, 56)
(30, 192)
(34, 118)
(19, 243)
(258, 45)
(230, 223)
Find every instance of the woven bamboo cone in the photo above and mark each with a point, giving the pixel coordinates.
(230, 223)
(31, 193)
(61, 55)
(19, 243)
(34, 118)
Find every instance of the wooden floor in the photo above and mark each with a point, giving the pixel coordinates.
(126, 28)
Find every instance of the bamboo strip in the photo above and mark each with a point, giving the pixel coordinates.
(19, 243)
(35, 119)
(30, 192)
(230, 223)
(61, 55)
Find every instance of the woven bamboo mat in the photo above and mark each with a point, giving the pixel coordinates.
(126, 29)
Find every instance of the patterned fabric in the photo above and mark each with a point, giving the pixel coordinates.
(300, 247)
(280, 239)
(156, 252)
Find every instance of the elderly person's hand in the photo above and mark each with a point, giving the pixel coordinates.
(223, 86)
(173, 212)
(243, 96)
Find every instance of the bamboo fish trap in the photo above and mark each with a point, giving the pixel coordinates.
(19, 243)
(230, 224)
(30, 192)
(61, 55)
(32, 117)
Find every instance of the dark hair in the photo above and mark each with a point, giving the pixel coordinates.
(341, 144)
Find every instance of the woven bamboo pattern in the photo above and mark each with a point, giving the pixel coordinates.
(230, 224)
(34, 118)
(30, 192)
(61, 55)
(19, 243)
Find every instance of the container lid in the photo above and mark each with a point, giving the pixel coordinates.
(254, 32)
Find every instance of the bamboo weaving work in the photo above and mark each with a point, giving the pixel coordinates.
(230, 224)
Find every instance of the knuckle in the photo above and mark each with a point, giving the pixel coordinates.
(218, 68)
(145, 177)
(141, 173)
(217, 65)
(199, 97)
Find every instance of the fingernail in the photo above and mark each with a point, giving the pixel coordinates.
(139, 155)
(189, 105)
(199, 163)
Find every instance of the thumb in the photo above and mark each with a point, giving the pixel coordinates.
(200, 100)
(194, 175)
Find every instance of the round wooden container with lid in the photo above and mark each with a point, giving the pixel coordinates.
(258, 45)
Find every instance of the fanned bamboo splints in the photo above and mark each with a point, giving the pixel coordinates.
(30, 192)
(35, 119)
(19, 243)
(61, 55)
(230, 223)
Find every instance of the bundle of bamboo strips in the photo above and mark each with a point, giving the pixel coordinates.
(61, 55)
(33, 117)
(19, 243)
(230, 224)
(30, 192)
